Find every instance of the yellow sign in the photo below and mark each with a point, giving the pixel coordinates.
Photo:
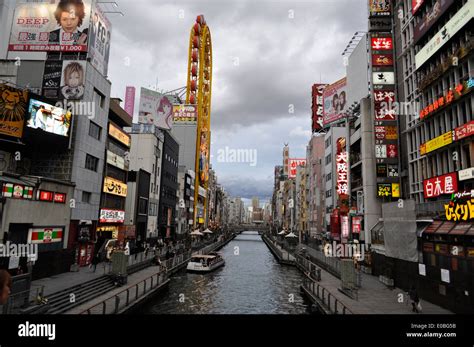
(119, 135)
(457, 211)
(13, 107)
(391, 133)
(395, 190)
(437, 143)
(114, 187)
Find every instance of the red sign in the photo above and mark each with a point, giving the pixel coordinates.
(380, 132)
(384, 96)
(293, 164)
(382, 43)
(356, 225)
(382, 60)
(440, 185)
(385, 111)
(392, 151)
(415, 5)
(463, 131)
(459, 90)
(45, 195)
(60, 198)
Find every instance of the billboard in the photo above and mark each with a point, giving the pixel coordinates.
(185, 114)
(430, 18)
(379, 8)
(99, 40)
(64, 79)
(456, 23)
(335, 101)
(56, 26)
(155, 108)
(13, 108)
(48, 118)
(318, 107)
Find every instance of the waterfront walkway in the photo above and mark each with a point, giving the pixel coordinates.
(373, 297)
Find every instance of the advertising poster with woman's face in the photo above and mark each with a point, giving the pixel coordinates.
(155, 108)
(73, 79)
(57, 26)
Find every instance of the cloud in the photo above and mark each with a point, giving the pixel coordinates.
(266, 56)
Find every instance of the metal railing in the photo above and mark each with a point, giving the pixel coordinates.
(120, 301)
(23, 299)
(329, 301)
(281, 253)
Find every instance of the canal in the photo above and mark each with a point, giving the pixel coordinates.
(251, 282)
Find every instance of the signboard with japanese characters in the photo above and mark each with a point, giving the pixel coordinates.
(293, 164)
(112, 216)
(436, 143)
(463, 131)
(382, 59)
(318, 107)
(447, 31)
(445, 100)
(380, 8)
(385, 113)
(459, 211)
(381, 43)
(342, 170)
(440, 185)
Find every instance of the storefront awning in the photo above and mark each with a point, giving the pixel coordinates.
(433, 227)
(7, 179)
(445, 228)
(460, 229)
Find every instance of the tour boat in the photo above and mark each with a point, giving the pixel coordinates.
(205, 262)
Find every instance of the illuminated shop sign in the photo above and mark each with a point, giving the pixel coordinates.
(388, 190)
(440, 185)
(17, 191)
(381, 43)
(453, 94)
(436, 143)
(460, 211)
(112, 216)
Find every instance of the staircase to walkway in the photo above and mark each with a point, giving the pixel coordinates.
(69, 298)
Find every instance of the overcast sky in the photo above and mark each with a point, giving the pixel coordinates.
(266, 57)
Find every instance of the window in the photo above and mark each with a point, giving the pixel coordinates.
(142, 206)
(86, 197)
(91, 162)
(94, 130)
(99, 98)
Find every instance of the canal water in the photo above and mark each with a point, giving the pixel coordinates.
(251, 282)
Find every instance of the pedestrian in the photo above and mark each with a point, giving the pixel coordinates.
(95, 261)
(5, 286)
(415, 300)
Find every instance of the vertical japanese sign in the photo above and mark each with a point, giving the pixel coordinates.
(317, 107)
(130, 100)
(384, 108)
(342, 171)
